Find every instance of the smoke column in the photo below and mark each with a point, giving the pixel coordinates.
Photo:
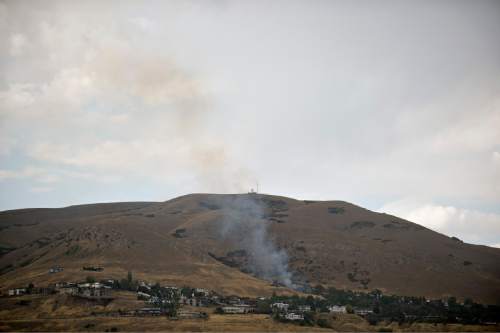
(244, 219)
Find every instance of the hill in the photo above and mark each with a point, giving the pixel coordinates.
(245, 244)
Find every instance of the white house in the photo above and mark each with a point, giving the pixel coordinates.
(280, 306)
(70, 289)
(294, 316)
(243, 308)
(55, 269)
(17, 292)
(304, 308)
(143, 296)
(337, 309)
(93, 290)
(363, 312)
(202, 291)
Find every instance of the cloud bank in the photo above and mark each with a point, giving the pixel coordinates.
(468, 225)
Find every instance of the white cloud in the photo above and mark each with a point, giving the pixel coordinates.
(18, 43)
(27, 172)
(468, 225)
(477, 131)
(41, 189)
(495, 157)
(7, 145)
(46, 176)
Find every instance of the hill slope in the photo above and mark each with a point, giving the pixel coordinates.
(241, 243)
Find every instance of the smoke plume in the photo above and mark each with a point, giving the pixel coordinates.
(244, 220)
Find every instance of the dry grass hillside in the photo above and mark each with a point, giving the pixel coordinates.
(239, 243)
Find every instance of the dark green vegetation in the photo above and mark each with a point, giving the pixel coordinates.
(391, 308)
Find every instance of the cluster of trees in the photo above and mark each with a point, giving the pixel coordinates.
(390, 307)
(128, 283)
(410, 309)
(167, 299)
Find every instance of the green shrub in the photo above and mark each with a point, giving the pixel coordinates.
(322, 322)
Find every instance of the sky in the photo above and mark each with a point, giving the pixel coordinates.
(391, 105)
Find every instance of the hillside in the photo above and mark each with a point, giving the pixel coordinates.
(242, 243)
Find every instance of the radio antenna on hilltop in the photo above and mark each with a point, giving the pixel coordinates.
(252, 191)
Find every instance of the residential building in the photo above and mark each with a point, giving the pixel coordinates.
(238, 309)
(304, 308)
(294, 316)
(280, 306)
(362, 312)
(17, 292)
(337, 309)
(55, 269)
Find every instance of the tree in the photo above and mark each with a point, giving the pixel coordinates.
(308, 318)
(89, 279)
(263, 306)
(124, 284)
(322, 322)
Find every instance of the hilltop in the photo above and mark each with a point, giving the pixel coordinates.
(245, 244)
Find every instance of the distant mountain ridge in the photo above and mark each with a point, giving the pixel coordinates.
(246, 244)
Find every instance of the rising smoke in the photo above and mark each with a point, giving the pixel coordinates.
(151, 115)
(243, 218)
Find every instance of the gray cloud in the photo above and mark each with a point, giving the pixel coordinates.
(370, 103)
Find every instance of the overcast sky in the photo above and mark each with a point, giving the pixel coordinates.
(391, 105)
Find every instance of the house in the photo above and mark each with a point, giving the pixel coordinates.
(93, 268)
(94, 290)
(143, 296)
(280, 306)
(294, 316)
(183, 314)
(17, 292)
(144, 284)
(363, 312)
(191, 301)
(55, 269)
(237, 309)
(68, 289)
(337, 309)
(233, 300)
(152, 300)
(43, 290)
(63, 284)
(148, 312)
(172, 288)
(304, 308)
(202, 291)
(144, 287)
(215, 299)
